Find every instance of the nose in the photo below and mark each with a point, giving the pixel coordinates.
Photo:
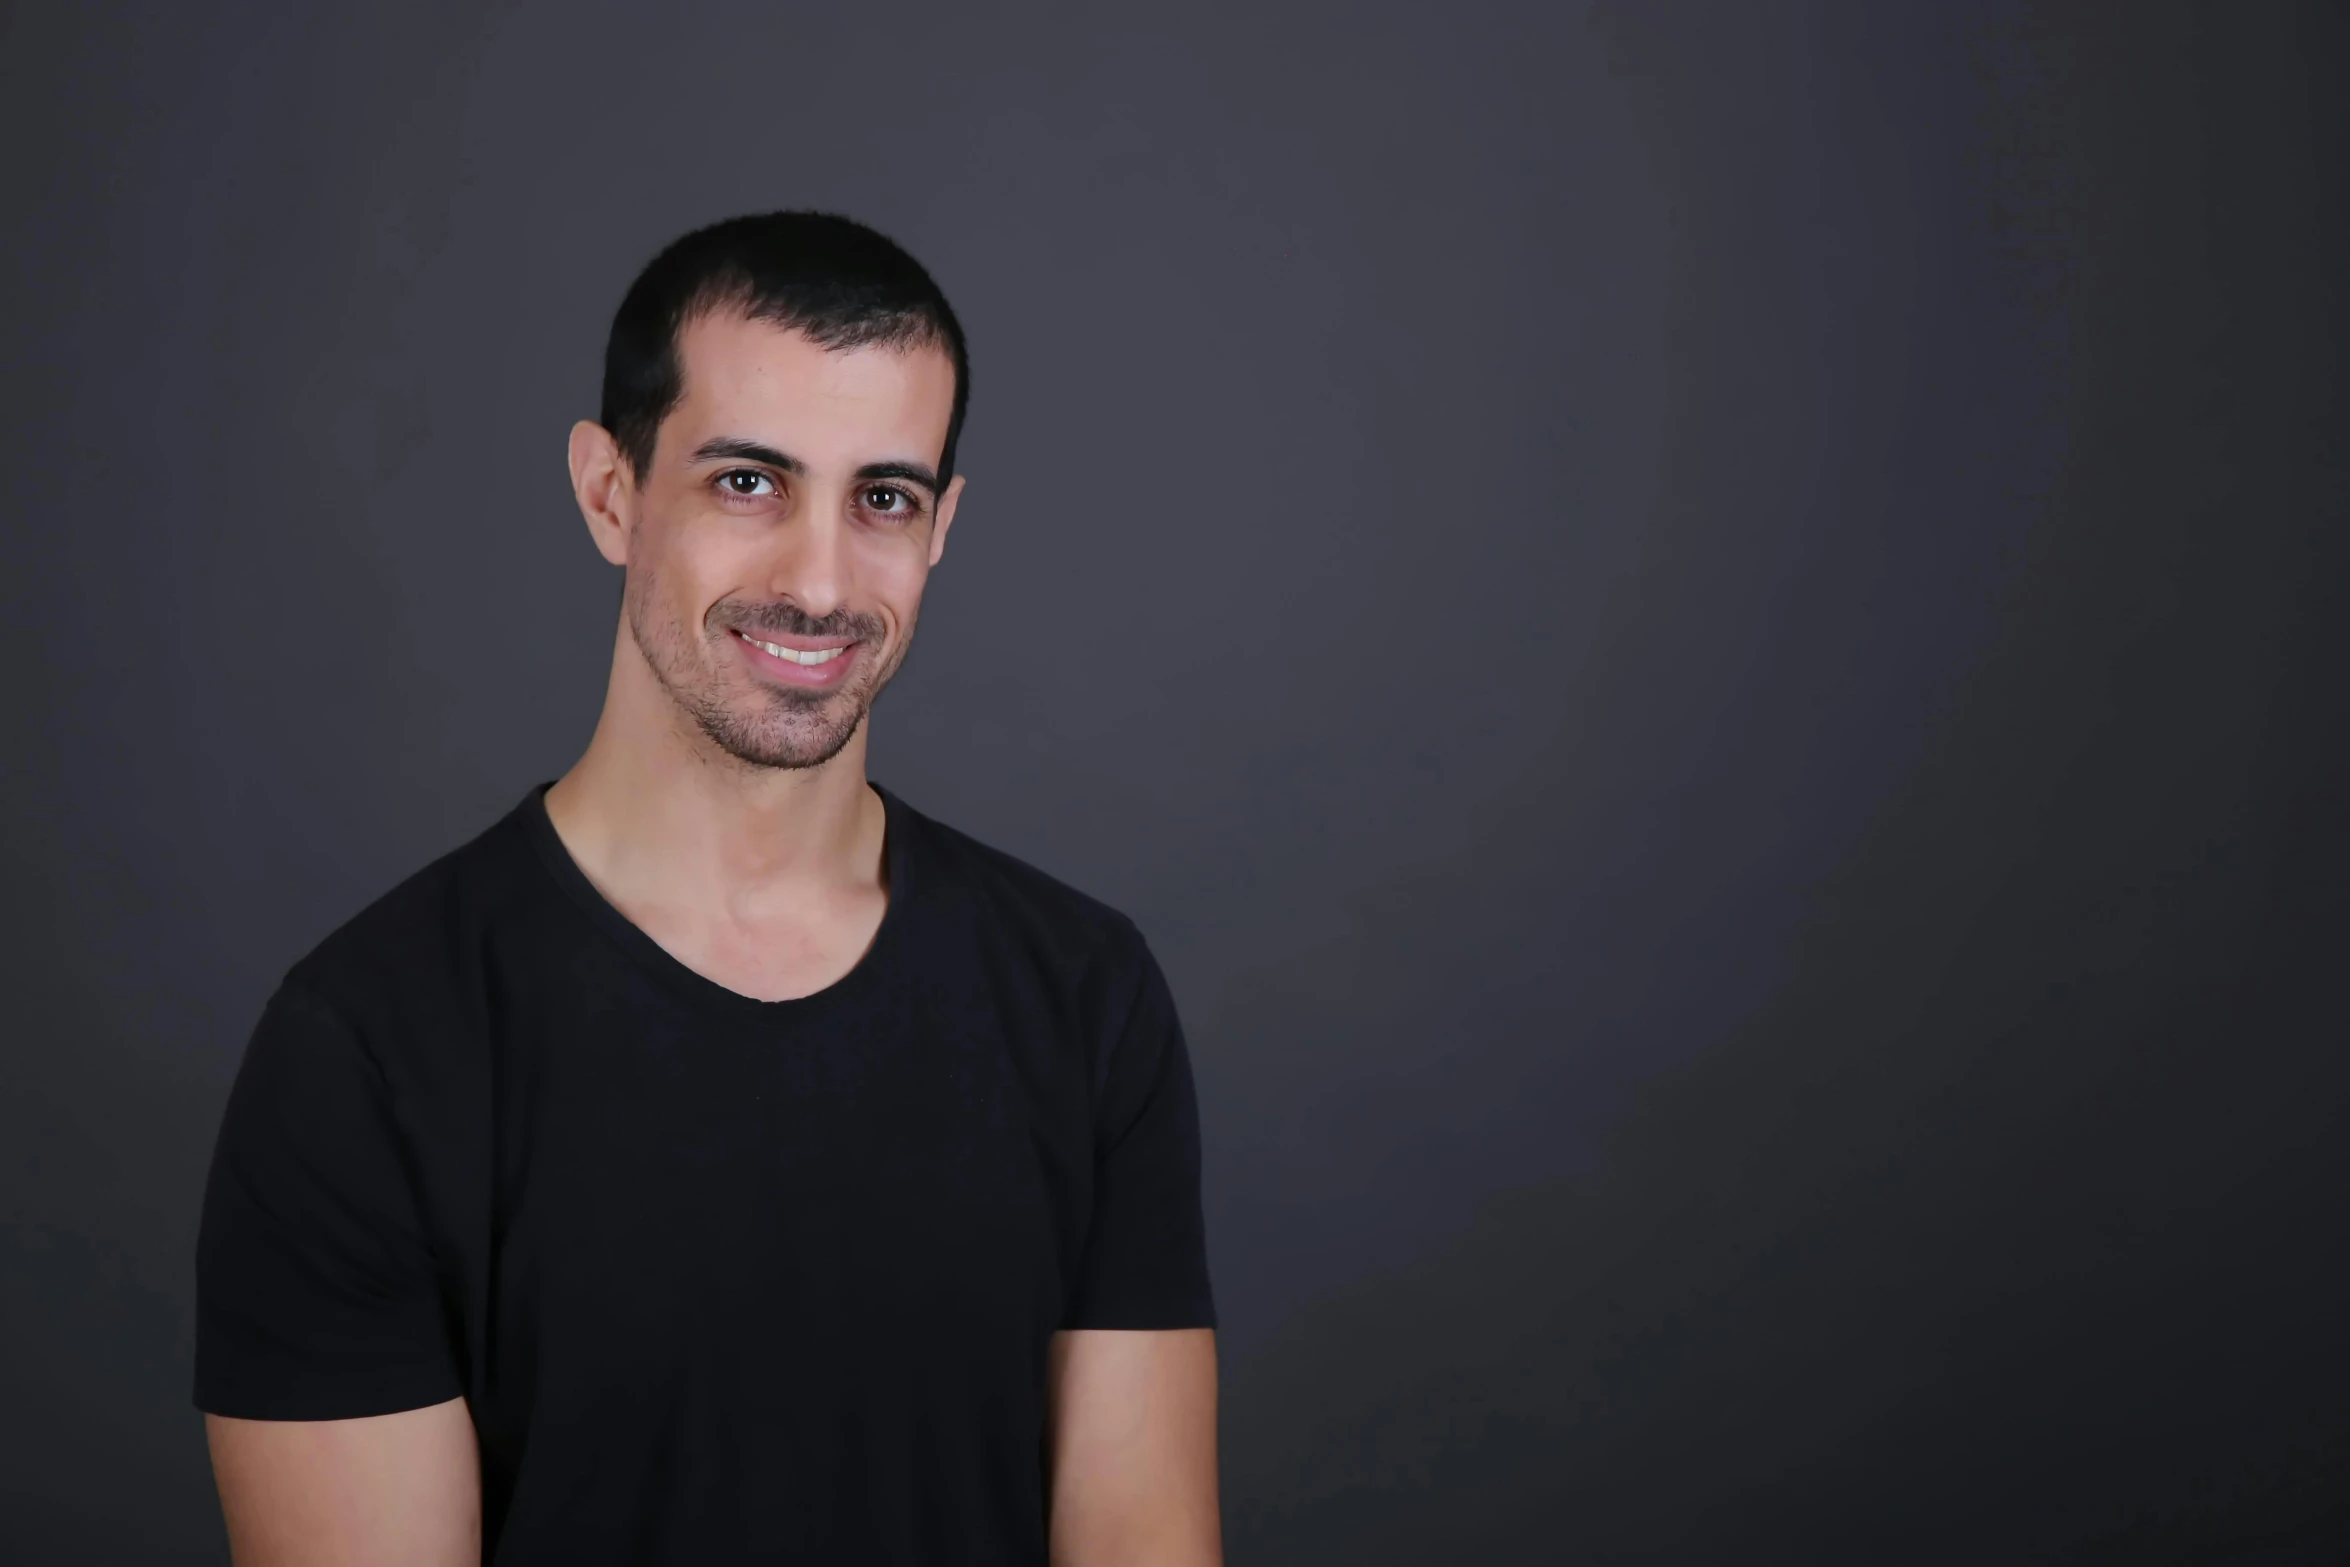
(811, 563)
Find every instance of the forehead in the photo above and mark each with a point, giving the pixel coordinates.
(771, 383)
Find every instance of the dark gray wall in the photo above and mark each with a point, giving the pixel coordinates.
(1703, 634)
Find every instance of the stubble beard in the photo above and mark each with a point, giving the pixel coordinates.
(757, 724)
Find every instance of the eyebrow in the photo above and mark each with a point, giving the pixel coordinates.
(748, 451)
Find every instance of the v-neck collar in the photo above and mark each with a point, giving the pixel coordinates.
(691, 984)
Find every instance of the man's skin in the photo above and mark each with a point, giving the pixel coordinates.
(765, 878)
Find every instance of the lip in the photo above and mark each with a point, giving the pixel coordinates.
(804, 677)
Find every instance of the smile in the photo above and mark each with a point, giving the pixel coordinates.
(822, 655)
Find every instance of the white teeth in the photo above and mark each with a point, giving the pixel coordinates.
(821, 656)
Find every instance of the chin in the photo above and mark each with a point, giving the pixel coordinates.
(788, 746)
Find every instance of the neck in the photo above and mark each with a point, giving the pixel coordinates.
(654, 807)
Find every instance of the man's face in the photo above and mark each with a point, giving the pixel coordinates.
(782, 535)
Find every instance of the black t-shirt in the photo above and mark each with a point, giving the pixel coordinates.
(721, 1280)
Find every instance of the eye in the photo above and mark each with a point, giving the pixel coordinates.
(745, 483)
(888, 500)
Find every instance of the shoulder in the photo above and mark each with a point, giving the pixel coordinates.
(1017, 901)
(421, 942)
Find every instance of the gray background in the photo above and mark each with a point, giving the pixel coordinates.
(1702, 634)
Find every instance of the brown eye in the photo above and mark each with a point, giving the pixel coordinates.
(883, 498)
(746, 483)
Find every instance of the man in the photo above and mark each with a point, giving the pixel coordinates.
(717, 1160)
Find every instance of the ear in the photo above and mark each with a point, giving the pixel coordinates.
(946, 517)
(605, 489)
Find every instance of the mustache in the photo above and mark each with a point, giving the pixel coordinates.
(784, 619)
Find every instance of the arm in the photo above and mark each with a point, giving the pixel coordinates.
(324, 1359)
(398, 1490)
(1133, 1448)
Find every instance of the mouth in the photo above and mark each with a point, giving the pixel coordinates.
(814, 663)
(806, 658)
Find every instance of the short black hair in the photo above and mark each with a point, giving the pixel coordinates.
(841, 283)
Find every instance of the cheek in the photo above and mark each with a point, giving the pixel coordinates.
(697, 564)
(891, 572)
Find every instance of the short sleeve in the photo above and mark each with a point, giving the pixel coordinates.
(1145, 1263)
(316, 1292)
